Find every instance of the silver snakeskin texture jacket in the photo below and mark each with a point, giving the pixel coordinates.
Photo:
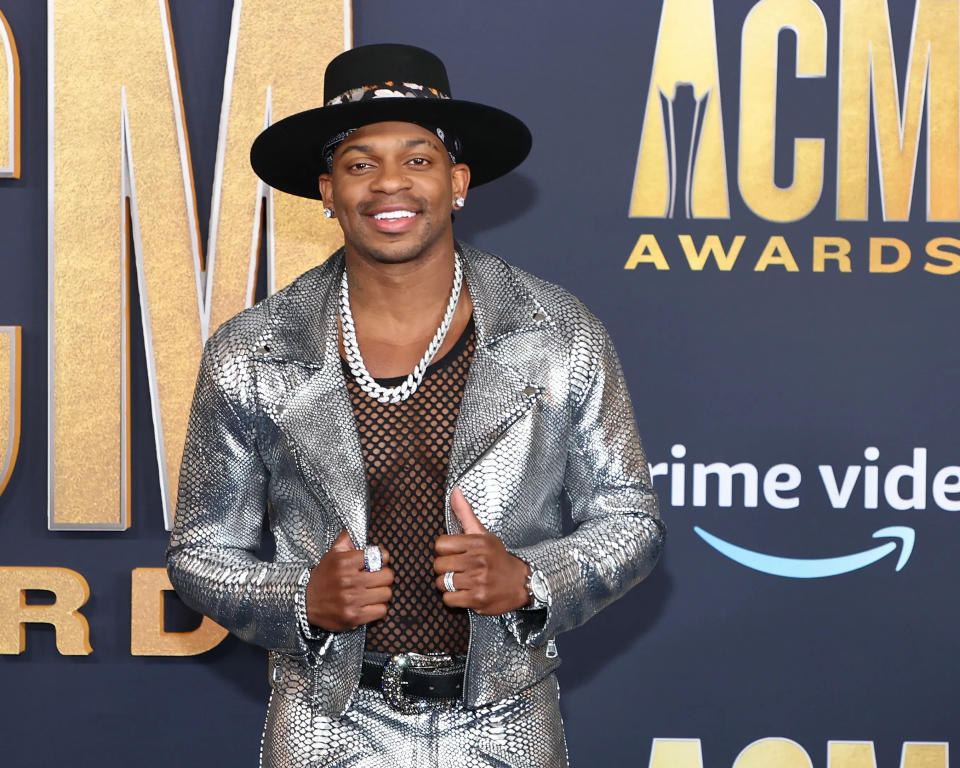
(545, 413)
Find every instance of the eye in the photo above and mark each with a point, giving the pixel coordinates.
(359, 166)
(421, 161)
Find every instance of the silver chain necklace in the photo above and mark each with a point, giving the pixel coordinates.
(355, 360)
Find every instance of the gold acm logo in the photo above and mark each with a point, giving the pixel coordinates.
(120, 174)
(680, 179)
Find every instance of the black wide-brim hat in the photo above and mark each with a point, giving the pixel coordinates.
(380, 83)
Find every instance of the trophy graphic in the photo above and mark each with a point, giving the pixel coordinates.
(683, 127)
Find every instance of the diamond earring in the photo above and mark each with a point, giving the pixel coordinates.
(328, 213)
(459, 202)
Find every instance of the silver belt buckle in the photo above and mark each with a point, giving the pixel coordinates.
(393, 681)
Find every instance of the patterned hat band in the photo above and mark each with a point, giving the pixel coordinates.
(450, 142)
(387, 90)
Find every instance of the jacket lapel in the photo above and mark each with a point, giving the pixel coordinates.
(500, 388)
(316, 414)
(319, 422)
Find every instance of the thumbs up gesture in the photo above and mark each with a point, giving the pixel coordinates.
(341, 595)
(486, 577)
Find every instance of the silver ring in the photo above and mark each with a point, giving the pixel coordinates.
(448, 582)
(372, 558)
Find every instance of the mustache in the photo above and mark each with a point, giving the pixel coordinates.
(408, 201)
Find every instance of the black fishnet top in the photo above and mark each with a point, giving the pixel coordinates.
(405, 448)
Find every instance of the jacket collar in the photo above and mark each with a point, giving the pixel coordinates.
(303, 317)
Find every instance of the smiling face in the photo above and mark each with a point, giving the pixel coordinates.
(392, 188)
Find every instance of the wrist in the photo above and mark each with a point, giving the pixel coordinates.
(307, 628)
(536, 591)
(524, 592)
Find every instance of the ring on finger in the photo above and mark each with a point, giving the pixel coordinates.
(448, 582)
(372, 559)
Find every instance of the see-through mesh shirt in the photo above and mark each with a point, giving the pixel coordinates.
(405, 448)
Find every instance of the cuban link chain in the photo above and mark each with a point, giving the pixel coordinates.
(355, 360)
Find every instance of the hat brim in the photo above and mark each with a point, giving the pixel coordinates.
(287, 154)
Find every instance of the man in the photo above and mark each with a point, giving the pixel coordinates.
(408, 416)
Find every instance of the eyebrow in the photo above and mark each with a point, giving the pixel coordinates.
(365, 148)
(358, 148)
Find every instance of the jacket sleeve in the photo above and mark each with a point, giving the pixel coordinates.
(212, 558)
(618, 535)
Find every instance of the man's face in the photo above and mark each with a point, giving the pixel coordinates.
(392, 189)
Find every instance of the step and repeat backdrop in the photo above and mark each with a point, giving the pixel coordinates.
(761, 201)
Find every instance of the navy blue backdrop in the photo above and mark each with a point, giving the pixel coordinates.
(762, 367)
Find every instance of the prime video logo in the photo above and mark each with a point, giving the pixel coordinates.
(904, 486)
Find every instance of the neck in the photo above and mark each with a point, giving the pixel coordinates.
(397, 308)
(400, 295)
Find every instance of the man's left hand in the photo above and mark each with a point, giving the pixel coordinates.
(487, 578)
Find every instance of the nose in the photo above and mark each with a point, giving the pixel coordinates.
(391, 178)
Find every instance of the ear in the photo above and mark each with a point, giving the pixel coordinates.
(325, 184)
(460, 178)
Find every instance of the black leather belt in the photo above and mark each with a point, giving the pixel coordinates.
(404, 677)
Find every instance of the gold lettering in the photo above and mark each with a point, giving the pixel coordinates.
(10, 356)
(71, 591)
(134, 105)
(9, 118)
(860, 754)
(851, 754)
(776, 252)
(266, 47)
(877, 264)
(867, 68)
(782, 753)
(676, 753)
(647, 251)
(147, 634)
(833, 248)
(935, 250)
(686, 53)
(758, 108)
(924, 755)
(712, 246)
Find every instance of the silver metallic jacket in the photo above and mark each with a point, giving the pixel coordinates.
(545, 413)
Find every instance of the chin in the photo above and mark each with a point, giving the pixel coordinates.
(395, 253)
(394, 256)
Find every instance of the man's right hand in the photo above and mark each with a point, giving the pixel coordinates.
(341, 595)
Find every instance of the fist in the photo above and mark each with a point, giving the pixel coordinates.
(341, 595)
(488, 579)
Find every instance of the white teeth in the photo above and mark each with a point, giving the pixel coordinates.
(394, 215)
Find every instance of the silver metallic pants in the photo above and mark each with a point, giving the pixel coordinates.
(523, 731)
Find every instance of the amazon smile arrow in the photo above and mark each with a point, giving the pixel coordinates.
(815, 568)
